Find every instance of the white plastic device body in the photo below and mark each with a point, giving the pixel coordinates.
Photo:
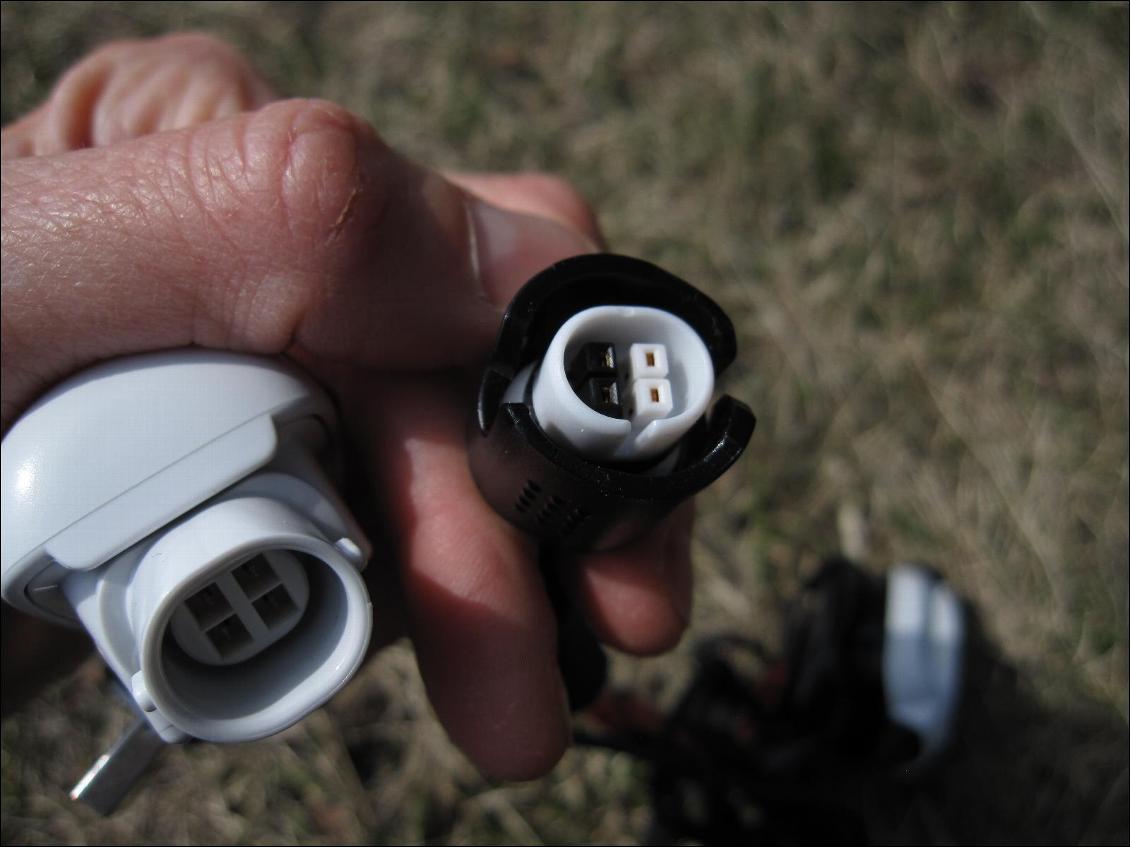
(668, 380)
(177, 505)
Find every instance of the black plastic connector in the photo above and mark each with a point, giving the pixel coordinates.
(567, 500)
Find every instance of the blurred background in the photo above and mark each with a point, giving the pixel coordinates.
(917, 217)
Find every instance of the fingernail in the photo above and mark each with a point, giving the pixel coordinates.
(507, 248)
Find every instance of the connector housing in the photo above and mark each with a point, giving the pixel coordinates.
(179, 506)
(558, 480)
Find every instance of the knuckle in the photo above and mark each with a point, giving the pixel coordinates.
(201, 55)
(324, 172)
(113, 51)
(198, 44)
(89, 105)
(198, 55)
(296, 181)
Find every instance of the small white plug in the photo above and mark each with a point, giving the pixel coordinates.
(620, 383)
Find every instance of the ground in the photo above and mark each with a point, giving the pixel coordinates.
(917, 217)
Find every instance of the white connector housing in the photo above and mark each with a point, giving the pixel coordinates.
(670, 382)
(923, 655)
(174, 505)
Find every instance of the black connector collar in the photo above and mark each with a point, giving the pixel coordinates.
(551, 491)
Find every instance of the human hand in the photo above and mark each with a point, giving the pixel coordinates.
(159, 198)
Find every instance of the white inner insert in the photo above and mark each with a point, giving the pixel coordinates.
(654, 424)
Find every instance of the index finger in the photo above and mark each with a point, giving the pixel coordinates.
(291, 226)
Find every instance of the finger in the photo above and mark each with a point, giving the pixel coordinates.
(293, 225)
(477, 611)
(35, 652)
(540, 194)
(127, 89)
(638, 598)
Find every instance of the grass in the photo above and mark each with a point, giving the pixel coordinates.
(917, 217)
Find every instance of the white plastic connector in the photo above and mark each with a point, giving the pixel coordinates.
(667, 379)
(174, 505)
(923, 647)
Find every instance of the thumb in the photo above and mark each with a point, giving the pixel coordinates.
(294, 226)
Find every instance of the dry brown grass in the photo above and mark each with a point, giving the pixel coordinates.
(918, 219)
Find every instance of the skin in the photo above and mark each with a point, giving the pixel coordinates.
(161, 197)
